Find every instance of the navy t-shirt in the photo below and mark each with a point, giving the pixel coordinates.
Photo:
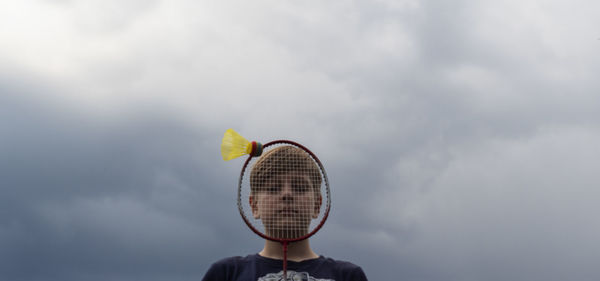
(259, 268)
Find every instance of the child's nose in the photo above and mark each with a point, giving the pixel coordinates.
(286, 191)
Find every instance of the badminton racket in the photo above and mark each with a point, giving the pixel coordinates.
(283, 190)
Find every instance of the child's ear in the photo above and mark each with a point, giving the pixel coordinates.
(254, 206)
(317, 209)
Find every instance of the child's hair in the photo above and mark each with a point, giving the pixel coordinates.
(282, 160)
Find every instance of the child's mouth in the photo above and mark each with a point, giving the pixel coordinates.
(287, 211)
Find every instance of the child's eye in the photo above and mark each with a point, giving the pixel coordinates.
(273, 188)
(300, 186)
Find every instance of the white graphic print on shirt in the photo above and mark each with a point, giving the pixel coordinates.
(291, 276)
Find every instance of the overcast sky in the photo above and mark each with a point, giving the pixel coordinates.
(460, 137)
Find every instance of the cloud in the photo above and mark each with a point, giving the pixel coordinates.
(506, 196)
(84, 194)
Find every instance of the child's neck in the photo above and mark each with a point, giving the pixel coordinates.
(297, 251)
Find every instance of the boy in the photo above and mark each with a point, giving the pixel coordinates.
(285, 196)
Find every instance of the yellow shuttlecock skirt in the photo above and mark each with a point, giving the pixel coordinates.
(234, 145)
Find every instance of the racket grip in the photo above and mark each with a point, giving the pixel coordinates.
(284, 245)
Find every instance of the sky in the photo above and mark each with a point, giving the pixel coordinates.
(460, 137)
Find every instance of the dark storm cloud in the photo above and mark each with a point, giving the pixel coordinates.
(105, 198)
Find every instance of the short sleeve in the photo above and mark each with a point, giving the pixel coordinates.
(358, 275)
(222, 270)
(215, 273)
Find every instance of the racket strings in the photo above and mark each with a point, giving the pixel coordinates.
(285, 195)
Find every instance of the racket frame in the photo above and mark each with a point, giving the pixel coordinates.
(285, 241)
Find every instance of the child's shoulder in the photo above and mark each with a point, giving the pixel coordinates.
(344, 270)
(341, 264)
(228, 268)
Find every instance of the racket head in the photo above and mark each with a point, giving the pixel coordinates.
(283, 195)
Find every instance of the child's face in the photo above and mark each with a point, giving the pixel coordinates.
(287, 204)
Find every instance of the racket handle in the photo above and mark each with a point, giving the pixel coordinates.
(285, 244)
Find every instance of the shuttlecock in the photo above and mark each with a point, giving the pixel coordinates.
(234, 146)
